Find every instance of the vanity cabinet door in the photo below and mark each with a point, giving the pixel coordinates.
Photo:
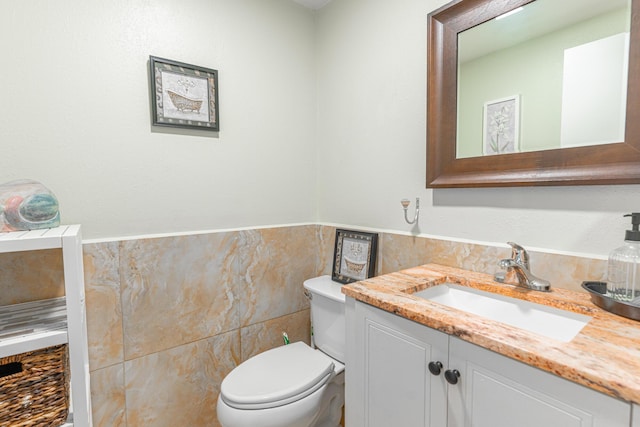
(496, 391)
(389, 382)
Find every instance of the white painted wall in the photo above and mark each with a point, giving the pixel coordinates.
(341, 90)
(371, 145)
(75, 115)
(594, 97)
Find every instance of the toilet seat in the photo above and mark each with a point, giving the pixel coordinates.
(277, 377)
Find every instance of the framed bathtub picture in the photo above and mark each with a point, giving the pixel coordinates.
(354, 257)
(184, 95)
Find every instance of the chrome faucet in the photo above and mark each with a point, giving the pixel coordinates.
(518, 271)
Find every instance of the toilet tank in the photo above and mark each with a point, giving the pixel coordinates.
(327, 315)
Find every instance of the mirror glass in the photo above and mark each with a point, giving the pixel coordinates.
(551, 75)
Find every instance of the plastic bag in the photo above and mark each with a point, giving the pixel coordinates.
(27, 205)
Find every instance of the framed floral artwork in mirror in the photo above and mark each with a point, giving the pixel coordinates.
(501, 126)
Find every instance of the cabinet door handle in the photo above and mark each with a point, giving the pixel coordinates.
(435, 368)
(452, 376)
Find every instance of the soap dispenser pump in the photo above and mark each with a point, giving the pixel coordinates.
(623, 272)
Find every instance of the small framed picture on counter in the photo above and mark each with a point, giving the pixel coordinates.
(354, 256)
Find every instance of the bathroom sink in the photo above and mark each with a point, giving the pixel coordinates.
(551, 322)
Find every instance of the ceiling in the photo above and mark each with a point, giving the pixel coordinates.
(313, 4)
(538, 18)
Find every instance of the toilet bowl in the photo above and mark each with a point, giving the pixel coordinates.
(293, 385)
(288, 386)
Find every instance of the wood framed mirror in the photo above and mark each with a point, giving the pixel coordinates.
(616, 162)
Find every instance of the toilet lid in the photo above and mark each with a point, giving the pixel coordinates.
(276, 377)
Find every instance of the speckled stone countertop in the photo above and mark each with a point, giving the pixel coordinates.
(604, 356)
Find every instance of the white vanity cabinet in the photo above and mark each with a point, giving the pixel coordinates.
(389, 382)
(39, 324)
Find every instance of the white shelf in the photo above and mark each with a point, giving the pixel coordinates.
(32, 326)
(32, 240)
(45, 323)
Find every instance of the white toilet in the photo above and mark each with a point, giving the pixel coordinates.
(293, 385)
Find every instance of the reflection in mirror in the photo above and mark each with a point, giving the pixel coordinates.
(553, 75)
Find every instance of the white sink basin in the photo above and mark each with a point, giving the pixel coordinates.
(551, 322)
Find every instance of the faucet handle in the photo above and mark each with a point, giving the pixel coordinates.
(519, 254)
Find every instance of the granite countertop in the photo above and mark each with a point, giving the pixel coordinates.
(604, 356)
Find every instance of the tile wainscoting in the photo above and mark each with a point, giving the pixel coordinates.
(169, 317)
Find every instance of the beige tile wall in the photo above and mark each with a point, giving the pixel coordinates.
(169, 317)
(563, 271)
(31, 276)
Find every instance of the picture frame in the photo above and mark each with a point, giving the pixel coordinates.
(184, 95)
(501, 126)
(354, 256)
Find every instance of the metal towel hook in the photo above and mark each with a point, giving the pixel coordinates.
(405, 204)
